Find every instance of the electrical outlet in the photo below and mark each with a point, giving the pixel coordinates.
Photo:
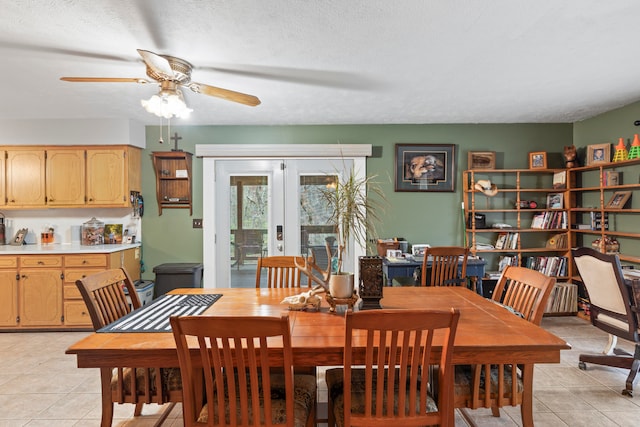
(197, 223)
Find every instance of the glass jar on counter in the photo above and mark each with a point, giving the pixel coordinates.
(92, 232)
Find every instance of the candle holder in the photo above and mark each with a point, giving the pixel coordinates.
(371, 281)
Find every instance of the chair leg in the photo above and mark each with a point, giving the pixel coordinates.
(138, 409)
(632, 373)
(495, 411)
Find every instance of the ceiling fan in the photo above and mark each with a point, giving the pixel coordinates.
(171, 72)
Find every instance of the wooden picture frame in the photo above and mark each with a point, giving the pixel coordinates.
(425, 167)
(598, 154)
(481, 160)
(555, 200)
(618, 200)
(18, 239)
(538, 160)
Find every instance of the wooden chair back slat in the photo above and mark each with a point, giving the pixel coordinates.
(398, 351)
(233, 380)
(281, 272)
(444, 266)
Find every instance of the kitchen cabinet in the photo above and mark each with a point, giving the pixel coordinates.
(38, 177)
(25, 177)
(39, 291)
(173, 180)
(3, 178)
(65, 177)
(112, 173)
(8, 291)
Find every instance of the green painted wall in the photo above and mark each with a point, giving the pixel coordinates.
(434, 218)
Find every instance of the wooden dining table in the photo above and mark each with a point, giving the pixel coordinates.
(487, 332)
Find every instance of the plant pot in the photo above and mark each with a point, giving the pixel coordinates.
(341, 285)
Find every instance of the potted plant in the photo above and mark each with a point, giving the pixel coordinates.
(355, 205)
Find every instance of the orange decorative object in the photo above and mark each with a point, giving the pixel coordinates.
(634, 150)
(621, 151)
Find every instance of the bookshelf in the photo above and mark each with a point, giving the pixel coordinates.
(526, 223)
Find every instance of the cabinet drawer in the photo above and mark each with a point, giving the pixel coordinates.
(71, 292)
(41, 261)
(8, 262)
(85, 260)
(71, 275)
(76, 314)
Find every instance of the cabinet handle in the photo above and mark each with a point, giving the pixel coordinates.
(84, 261)
(40, 263)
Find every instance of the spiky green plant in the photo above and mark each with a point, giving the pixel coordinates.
(356, 205)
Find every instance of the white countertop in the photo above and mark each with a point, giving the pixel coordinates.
(64, 248)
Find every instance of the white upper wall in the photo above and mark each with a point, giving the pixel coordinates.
(72, 132)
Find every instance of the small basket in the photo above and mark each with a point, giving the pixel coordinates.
(385, 245)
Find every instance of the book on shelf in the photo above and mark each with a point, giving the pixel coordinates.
(507, 240)
(563, 298)
(598, 221)
(560, 180)
(501, 240)
(549, 265)
(550, 220)
(611, 178)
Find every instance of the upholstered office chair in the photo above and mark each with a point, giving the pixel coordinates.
(234, 381)
(524, 292)
(444, 266)
(612, 310)
(394, 376)
(281, 272)
(105, 299)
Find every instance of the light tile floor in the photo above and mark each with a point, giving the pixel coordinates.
(41, 386)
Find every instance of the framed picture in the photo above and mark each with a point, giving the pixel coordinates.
(618, 200)
(598, 153)
(560, 180)
(555, 200)
(538, 160)
(479, 160)
(18, 239)
(611, 178)
(425, 167)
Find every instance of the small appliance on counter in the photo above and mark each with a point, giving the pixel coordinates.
(92, 232)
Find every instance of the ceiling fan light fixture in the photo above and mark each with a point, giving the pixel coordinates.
(167, 103)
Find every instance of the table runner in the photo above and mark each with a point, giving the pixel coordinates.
(155, 317)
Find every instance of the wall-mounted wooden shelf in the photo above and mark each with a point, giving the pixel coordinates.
(173, 180)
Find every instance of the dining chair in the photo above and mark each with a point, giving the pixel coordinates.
(281, 272)
(234, 381)
(523, 292)
(444, 269)
(103, 294)
(614, 308)
(391, 382)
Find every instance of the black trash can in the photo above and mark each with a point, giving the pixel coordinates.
(177, 275)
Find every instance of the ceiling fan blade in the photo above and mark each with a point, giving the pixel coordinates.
(157, 63)
(227, 94)
(105, 79)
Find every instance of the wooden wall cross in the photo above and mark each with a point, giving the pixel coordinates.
(176, 138)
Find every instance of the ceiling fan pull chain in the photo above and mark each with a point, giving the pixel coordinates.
(160, 140)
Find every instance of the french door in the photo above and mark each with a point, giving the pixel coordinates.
(257, 207)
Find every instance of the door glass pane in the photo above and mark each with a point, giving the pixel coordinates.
(249, 209)
(315, 231)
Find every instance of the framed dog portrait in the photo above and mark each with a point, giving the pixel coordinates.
(598, 153)
(425, 167)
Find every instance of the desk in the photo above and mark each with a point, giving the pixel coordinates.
(318, 337)
(475, 270)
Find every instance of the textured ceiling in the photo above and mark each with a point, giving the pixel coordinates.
(327, 61)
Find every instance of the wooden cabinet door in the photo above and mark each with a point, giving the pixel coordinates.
(25, 178)
(8, 298)
(3, 178)
(40, 297)
(107, 177)
(65, 174)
